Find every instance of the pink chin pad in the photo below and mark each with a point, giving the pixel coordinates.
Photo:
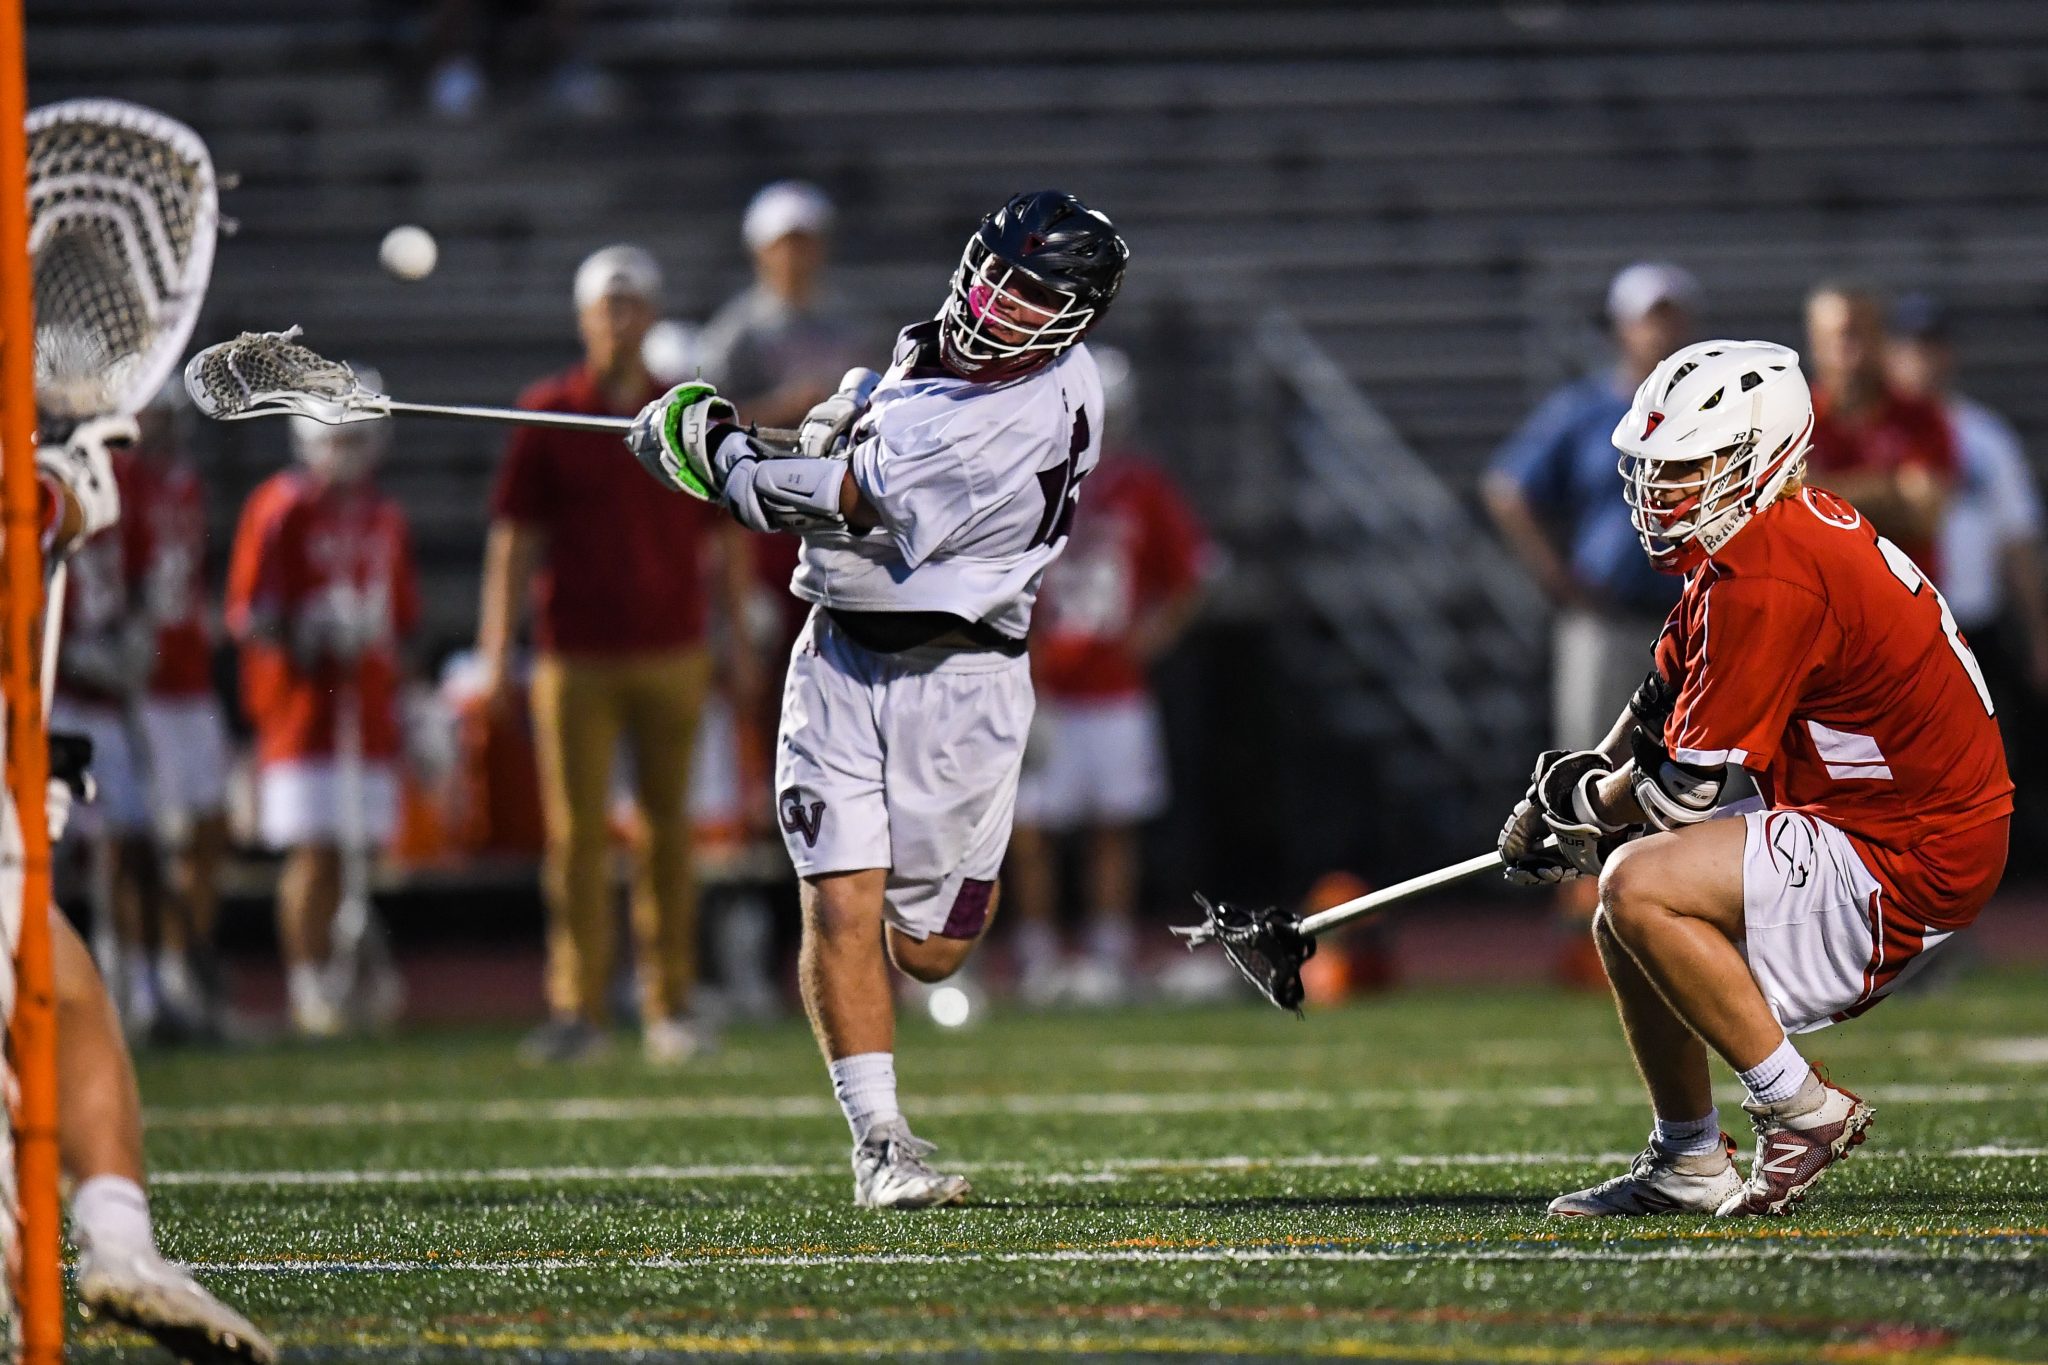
(979, 297)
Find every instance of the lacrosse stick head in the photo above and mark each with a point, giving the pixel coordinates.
(1265, 945)
(269, 374)
(123, 212)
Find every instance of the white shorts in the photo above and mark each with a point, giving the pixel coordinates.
(300, 803)
(1094, 763)
(905, 761)
(121, 807)
(1816, 942)
(187, 756)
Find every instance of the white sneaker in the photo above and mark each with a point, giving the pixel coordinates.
(1659, 1182)
(675, 1040)
(144, 1291)
(889, 1172)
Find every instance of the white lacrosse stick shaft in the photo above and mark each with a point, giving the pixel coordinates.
(566, 421)
(53, 632)
(1374, 901)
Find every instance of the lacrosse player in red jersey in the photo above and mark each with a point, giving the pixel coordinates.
(1811, 651)
(927, 523)
(120, 1274)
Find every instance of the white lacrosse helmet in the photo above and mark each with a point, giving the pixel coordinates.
(1713, 434)
(347, 451)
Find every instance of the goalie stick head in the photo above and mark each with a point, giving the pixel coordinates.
(266, 374)
(1265, 945)
(123, 212)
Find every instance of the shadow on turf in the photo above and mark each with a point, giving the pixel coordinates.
(1270, 1203)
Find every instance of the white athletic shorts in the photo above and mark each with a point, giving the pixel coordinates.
(299, 802)
(1814, 916)
(906, 761)
(122, 806)
(187, 755)
(1094, 763)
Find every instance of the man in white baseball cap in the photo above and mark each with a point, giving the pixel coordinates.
(779, 347)
(1555, 493)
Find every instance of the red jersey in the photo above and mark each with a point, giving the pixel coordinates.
(1897, 433)
(1135, 544)
(163, 535)
(622, 571)
(300, 544)
(1813, 652)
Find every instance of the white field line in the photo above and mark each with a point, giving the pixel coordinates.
(1120, 1104)
(1105, 1171)
(1946, 1255)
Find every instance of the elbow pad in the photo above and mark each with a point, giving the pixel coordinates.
(785, 494)
(1673, 795)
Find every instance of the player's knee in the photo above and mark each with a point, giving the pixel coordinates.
(929, 960)
(1627, 893)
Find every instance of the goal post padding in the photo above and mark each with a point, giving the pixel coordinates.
(31, 1029)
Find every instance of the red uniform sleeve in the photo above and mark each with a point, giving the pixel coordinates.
(405, 583)
(1176, 549)
(256, 589)
(1743, 670)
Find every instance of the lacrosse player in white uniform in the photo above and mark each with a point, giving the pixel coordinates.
(929, 511)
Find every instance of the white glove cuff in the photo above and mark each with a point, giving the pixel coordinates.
(1586, 808)
(790, 494)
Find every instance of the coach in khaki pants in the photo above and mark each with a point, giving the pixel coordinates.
(620, 577)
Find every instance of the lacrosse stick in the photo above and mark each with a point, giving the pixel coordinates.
(267, 374)
(1269, 945)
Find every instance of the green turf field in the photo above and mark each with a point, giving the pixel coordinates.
(1368, 1184)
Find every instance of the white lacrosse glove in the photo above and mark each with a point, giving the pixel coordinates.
(1557, 807)
(84, 468)
(827, 429)
(675, 436)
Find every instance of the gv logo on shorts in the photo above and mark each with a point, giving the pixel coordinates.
(796, 819)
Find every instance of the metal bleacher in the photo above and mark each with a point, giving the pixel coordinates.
(1435, 192)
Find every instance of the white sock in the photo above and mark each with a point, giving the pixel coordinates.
(110, 1212)
(1112, 940)
(305, 987)
(1690, 1137)
(865, 1086)
(1038, 947)
(1778, 1077)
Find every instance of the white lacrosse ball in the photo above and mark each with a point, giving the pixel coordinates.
(409, 252)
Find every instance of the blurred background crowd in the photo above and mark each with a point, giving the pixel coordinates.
(411, 705)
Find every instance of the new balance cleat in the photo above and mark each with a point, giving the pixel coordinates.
(889, 1172)
(1796, 1140)
(142, 1290)
(1659, 1181)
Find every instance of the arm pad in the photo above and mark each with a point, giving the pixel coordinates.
(792, 494)
(1672, 794)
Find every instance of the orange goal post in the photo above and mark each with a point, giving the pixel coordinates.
(36, 1277)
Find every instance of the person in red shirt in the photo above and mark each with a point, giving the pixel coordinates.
(619, 578)
(136, 677)
(1118, 599)
(321, 592)
(183, 736)
(1810, 650)
(1893, 456)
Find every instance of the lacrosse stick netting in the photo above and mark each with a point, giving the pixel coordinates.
(123, 212)
(260, 373)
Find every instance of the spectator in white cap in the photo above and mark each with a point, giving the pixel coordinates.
(1555, 494)
(622, 586)
(780, 346)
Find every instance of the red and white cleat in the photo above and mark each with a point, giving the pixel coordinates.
(1796, 1140)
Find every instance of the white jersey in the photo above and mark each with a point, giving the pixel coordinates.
(974, 484)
